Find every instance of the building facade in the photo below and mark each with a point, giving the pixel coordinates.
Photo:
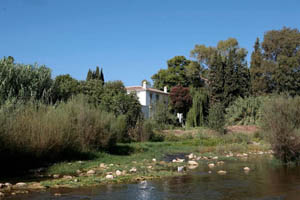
(148, 97)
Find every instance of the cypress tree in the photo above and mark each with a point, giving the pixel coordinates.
(97, 73)
(89, 75)
(102, 75)
(258, 80)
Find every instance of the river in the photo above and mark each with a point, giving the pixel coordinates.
(265, 181)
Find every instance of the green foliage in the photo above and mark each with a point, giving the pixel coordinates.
(216, 119)
(162, 116)
(44, 133)
(276, 67)
(95, 75)
(245, 111)
(197, 115)
(180, 71)
(64, 87)
(281, 123)
(228, 75)
(24, 82)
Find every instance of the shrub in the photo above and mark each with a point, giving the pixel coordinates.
(245, 111)
(42, 133)
(281, 123)
(216, 120)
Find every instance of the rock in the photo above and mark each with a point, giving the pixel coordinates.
(132, 170)
(245, 155)
(191, 156)
(109, 176)
(222, 172)
(91, 172)
(180, 168)
(36, 186)
(67, 177)
(76, 180)
(198, 158)
(2, 185)
(78, 171)
(124, 172)
(102, 165)
(220, 163)
(205, 158)
(80, 162)
(55, 175)
(149, 167)
(118, 173)
(8, 185)
(18, 185)
(174, 160)
(1, 194)
(192, 166)
(211, 165)
(111, 165)
(134, 162)
(246, 169)
(57, 194)
(154, 160)
(13, 193)
(215, 158)
(177, 160)
(192, 162)
(209, 172)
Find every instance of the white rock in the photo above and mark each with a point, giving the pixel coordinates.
(191, 156)
(55, 175)
(1, 194)
(174, 160)
(215, 158)
(57, 194)
(246, 169)
(154, 159)
(149, 167)
(180, 168)
(222, 172)
(244, 154)
(91, 172)
(111, 165)
(21, 184)
(8, 185)
(118, 173)
(109, 176)
(102, 165)
(67, 177)
(132, 170)
(1, 185)
(209, 172)
(192, 162)
(211, 165)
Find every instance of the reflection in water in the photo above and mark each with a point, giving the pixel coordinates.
(263, 182)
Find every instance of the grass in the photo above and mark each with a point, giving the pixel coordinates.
(140, 155)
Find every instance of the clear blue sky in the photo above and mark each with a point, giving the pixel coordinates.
(130, 39)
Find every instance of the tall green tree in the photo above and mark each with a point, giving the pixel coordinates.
(180, 71)
(102, 75)
(64, 87)
(281, 60)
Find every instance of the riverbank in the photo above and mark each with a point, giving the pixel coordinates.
(136, 162)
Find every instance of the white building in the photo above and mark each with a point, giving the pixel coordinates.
(148, 97)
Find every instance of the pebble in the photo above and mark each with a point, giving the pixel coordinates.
(91, 172)
(132, 170)
(221, 172)
(154, 160)
(102, 165)
(192, 162)
(67, 177)
(1, 194)
(191, 156)
(180, 168)
(109, 176)
(246, 169)
(55, 175)
(211, 165)
(220, 163)
(215, 158)
(118, 173)
(21, 184)
(57, 194)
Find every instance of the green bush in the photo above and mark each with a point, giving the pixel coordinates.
(44, 133)
(245, 111)
(281, 123)
(216, 120)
